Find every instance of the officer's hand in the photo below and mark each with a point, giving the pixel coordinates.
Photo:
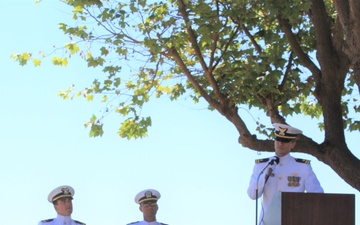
(273, 162)
(271, 166)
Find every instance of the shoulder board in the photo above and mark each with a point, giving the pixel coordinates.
(303, 161)
(132, 223)
(261, 160)
(79, 222)
(46, 221)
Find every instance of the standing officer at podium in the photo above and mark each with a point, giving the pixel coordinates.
(284, 173)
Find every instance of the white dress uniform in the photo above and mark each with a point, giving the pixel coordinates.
(290, 175)
(146, 223)
(61, 220)
(147, 195)
(63, 191)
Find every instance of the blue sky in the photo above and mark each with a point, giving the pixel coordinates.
(191, 155)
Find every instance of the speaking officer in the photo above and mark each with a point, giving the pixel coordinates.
(147, 199)
(284, 173)
(61, 197)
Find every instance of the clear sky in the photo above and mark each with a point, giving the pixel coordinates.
(191, 155)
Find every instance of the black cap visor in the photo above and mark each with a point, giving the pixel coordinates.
(286, 140)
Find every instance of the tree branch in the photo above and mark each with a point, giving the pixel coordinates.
(193, 41)
(287, 72)
(252, 39)
(172, 52)
(322, 31)
(227, 45)
(295, 45)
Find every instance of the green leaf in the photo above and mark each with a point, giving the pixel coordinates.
(96, 130)
(72, 47)
(134, 129)
(22, 58)
(59, 61)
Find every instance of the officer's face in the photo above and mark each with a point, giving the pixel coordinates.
(283, 148)
(64, 207)
(149, 209)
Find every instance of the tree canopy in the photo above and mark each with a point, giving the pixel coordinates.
(282, 57)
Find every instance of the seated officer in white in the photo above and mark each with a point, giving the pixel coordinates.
(147, 199)
(286, 174)
(61, 197)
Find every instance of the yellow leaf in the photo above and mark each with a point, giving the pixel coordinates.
(59, 61)
(88, 55)
(36, 62)
(26, 56)
(89, 98)
(64, 62)
(14, 56)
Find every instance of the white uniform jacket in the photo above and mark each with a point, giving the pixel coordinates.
(290, 175)
(146, 223)
(61, 220)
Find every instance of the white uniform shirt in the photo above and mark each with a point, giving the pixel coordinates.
(60, 220)
(146, 223)
(290, 175)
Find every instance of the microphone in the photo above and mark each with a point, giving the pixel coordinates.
(275, 161)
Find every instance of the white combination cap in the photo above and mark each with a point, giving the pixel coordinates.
(285, 133)
(63, 191)
(147, 195)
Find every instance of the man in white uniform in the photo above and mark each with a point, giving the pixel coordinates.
(147, 199)
(284, 172)
(61, 197)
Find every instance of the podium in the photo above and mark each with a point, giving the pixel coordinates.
(291, 208)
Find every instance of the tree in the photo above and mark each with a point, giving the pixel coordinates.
(229, 53)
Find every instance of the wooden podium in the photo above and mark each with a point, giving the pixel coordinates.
(312, 209)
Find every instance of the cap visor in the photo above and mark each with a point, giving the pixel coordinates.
(284, 139)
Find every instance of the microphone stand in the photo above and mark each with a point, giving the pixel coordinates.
(257, 192)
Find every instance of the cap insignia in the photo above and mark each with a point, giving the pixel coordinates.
(282, 131)
(65, 191)
(148, 194)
